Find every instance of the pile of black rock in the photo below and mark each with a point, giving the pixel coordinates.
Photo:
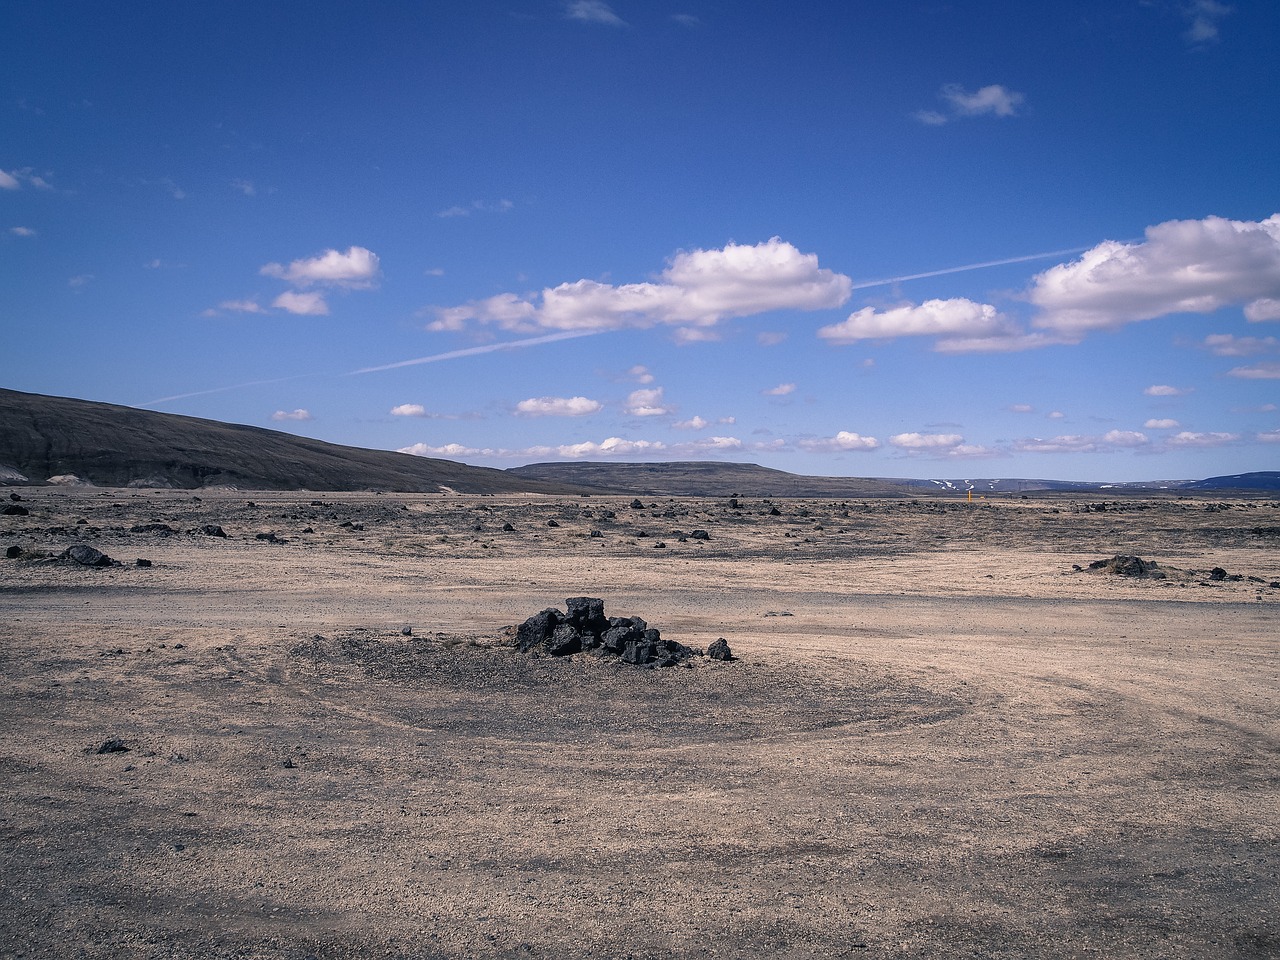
(585, 628)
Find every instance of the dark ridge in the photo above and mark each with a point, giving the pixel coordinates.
(115, 446)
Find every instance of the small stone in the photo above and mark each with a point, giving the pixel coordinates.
(719, 649)
(142, 562)
(700, 535)
(212, 530)
(86, 556)
(508, 528)
(13, 552)
(406, 631)
(112, 746)
(552, 523)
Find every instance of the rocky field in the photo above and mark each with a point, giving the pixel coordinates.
(306, 727)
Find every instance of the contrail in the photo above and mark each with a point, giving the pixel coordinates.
(473, 351)
(969, 266)
(234, 386)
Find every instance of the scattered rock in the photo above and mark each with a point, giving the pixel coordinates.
(552, 523)
(112, 746)
(508, 528)
(142, 562)
(699, 535)
(1126, 566)
(87, 556)
(152, 528)
(719, 649)
(14, 497)
(269, 537)
(213, 530)
(406, 631)
(636, 504)
(14, 510)
(596, 534)
(13, 552)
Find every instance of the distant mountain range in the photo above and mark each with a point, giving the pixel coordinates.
(104, 444)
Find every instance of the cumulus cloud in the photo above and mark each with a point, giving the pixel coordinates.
(22, 231)
(640, 374)
(697, 290)
(1076, 443)
(926, 441)
(309, 304)
(646, 403)
(1269, 436)
(558, 407)
(14, 179)
(1259, 371)
(781, 390)
(708, 445)
(1262, 310)
(593, 11)
(1228, 345)
(994, 99)
(1162, 424)
(1183, 266)
(356, 269)
(1164, 390)
(409, 410)
(1189, 438)
(298, 414)
(8, 181)
(842, 441)
(1125, 438)
(933, 317)
(693, 423)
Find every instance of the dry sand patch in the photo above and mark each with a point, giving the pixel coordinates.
(947, 748)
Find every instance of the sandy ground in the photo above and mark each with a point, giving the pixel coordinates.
(938, 738)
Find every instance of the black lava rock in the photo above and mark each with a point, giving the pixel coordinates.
(112, 746)
(13, 510)
(213, 530)
(13, 552)
(142, 562)
(86, 556)
(537, 629)
(719, 650)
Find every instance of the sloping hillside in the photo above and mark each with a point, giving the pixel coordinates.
(111, 445)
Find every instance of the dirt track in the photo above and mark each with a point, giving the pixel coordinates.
(938, 739)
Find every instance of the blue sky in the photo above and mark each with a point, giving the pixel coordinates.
(872, 239)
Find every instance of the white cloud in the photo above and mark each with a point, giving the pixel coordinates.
(926, 441)
(22, 231)
(993, 99)
(1164, 390)
(686, 19)
(558, 406)
(80, 280)
(8, 181)
(781, 390)
(1228, 345)
(448, 450)
(973, 451)
(698, 289)
(241, 306)
(1269, 436)
(1189, 439)
(1021, 407)
(1204, 16)
(1125, 438)
(14, 179)
(477, 206)
(409, 410)
(244, 186)
(770, 338)
(1162, 424)
(593, 11)
(693, 423)
(730, 421)
(1056, 415)
(1064, 444)
(844, 440)
(356, 269)
(684, 336)
(966, 325)
(434, 272)
(646, 403)
(708, 445)
(1259, 371)
(640, 374)
(298, 414)
(306, 304)
(1183, 266)
(1262, 310)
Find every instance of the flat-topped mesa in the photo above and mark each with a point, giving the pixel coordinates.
(585, 628)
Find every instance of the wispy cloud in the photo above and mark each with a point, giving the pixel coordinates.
(358, 268)
(245, 187)
(593, 11)
(14, 179)
(994, 99)
(476, 351)
(22, 231)
(842, 441)
(781, 390)
(1166, 390)
(1259, 371)
(477, 206)
(80, 280)
(1204, 16)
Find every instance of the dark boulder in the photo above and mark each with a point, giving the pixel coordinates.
(587, 614)
(142, 562)
(508, 528)
(13, 552)
(564, 640)
(14, 510)
(699, 535)
(636, 504)
(537, 629)
(113, 746)
(86, 556)
(719, 650)
(1126, 566)
(213, 530)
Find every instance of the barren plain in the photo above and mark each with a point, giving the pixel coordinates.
(938, 739)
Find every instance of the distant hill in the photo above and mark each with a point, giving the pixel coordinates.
(709, 479)
(109, 445)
